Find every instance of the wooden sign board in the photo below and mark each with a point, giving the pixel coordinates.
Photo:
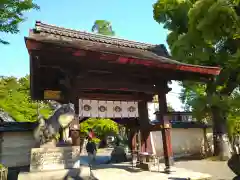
(108, 109)
(52, 95)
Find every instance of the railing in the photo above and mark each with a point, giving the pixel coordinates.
(3, 173)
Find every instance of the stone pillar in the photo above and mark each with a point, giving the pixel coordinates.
(166, 131)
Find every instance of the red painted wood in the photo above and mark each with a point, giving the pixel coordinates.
(79, 53)
(166, 134)
(134, 141)
(149, 144)
(121, 59)
(146, 145)
(169, 143)
(33, 45)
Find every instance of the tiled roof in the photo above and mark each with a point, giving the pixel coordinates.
(8, 124)
(5, 117)
(46, 28)
(17, 126)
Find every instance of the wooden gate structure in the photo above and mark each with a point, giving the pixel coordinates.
(68, 65)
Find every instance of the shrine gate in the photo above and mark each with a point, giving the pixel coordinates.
(107, 77)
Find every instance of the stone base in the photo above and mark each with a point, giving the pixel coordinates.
(234, 164)
(66, 174)
(118, 155)
(143, 166)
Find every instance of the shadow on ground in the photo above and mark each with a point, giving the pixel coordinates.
(75, 174)
(114, 166)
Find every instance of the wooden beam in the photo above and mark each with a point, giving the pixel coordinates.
(98, 68)
(106, 84)
(34, 78)
(155, 127)
(170, 71)
(114, 97)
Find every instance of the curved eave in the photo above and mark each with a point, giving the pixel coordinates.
(34, 44)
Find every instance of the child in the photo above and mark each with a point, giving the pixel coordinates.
(91, 150)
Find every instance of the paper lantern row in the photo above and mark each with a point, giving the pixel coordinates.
(108, 109)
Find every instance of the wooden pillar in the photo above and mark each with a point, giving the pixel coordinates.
(35, 89)
(132, 139)
(75, 133)
(144, 127)
(166, 130)
(71, 95)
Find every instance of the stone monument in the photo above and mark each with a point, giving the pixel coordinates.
(46, 159)
(50, 161)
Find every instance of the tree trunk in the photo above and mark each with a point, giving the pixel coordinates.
(220, 137)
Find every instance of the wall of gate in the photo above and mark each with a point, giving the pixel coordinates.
(184, 141)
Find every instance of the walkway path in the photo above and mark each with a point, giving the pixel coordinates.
(217, 169)
(127, 172)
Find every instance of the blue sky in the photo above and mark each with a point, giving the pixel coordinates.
(131, 20)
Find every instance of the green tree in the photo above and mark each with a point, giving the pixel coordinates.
(15, 100)
(11, 14)
(103, 27)
(101, 126)
(170, 108)
(206, 32)
(194, 99)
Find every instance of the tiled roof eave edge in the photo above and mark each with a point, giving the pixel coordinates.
(174, 64)
(190, 65)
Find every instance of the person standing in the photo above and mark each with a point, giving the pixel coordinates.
(91, 150)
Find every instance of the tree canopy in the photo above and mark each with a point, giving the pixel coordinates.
(103, 27)
(101, 126)
(15, 100)
(11, 14)
(206, 32)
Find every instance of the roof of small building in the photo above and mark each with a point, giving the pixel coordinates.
(8, 124)
(5, 117)
(17, 126)
(60, 36)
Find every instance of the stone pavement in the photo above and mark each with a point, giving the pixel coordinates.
(103, 171)
(217, 169)
(124, 171)
(193, 169)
